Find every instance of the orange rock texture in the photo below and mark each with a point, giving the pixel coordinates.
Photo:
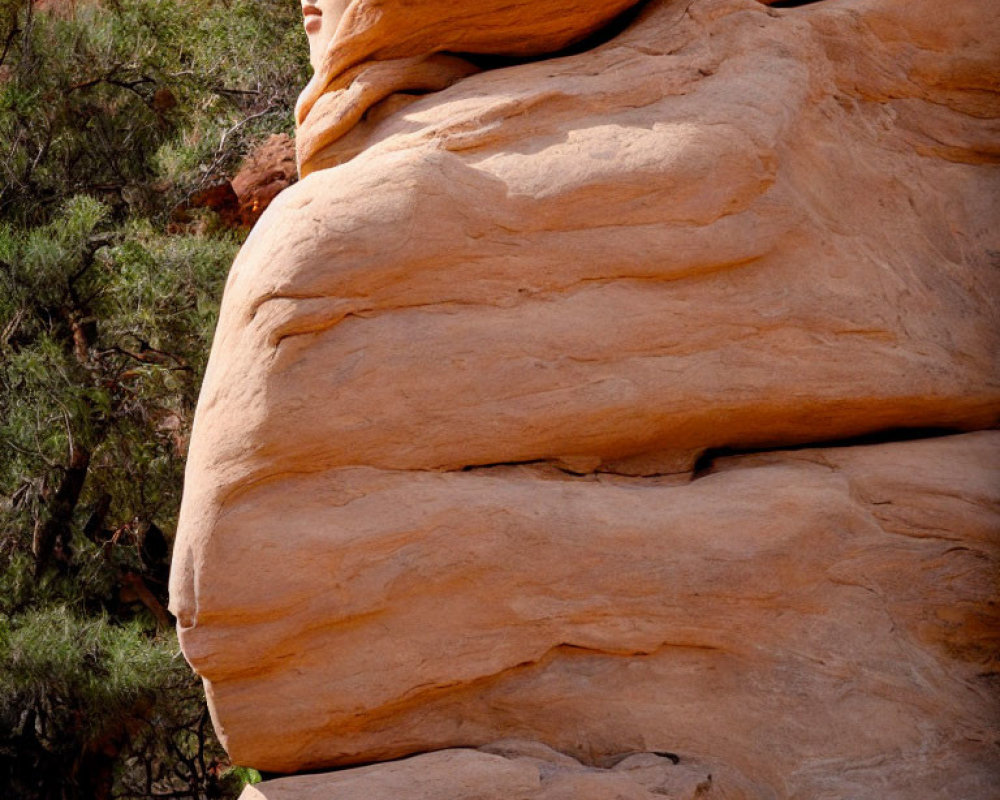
(458, 472)
(265, 172)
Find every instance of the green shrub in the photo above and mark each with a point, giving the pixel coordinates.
(110, 118)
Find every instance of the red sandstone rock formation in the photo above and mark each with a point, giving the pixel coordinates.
(452, 476)
(239, 202)
(264, 173)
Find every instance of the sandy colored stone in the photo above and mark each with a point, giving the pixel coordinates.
(654, 261)
(787, 619)
(386, 46)
(510, 771)
(439, 490)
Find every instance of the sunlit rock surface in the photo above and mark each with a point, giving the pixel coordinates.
(799, 618)
(444, 486)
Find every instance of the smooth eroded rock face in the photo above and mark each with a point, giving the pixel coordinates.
(444, 486)
(509, 770)
(383, 47)
(836, 601)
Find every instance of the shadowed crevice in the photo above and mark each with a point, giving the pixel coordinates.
(706, 461)
(790, 3)
(602, 36)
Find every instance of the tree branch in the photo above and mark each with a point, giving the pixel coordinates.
(14, 31)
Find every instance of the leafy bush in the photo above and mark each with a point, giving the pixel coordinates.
(137, 102)
(110, 117)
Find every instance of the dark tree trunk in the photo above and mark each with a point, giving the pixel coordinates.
(52, 530)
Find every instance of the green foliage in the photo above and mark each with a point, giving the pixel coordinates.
(88, 672)
(245, 775)
(107, 328)
(110, 117)
(138, 99)
(91, 690)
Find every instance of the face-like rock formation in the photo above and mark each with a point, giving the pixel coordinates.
(452, 476)
(320, 20)
(385, 47)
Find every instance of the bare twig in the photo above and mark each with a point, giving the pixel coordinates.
(220, 153)
(224, 90)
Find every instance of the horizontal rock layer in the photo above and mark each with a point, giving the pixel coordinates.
(505, 771)
(613, 255)
(838, 601)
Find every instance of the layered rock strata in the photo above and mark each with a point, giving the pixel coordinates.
(451, 479)
(384, 47)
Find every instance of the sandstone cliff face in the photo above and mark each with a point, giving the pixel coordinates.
(441, 488)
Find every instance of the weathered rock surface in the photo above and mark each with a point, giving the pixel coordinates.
(384, 46)
(654, 261)
(439, 490)
(506, 771)
(790, 618)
